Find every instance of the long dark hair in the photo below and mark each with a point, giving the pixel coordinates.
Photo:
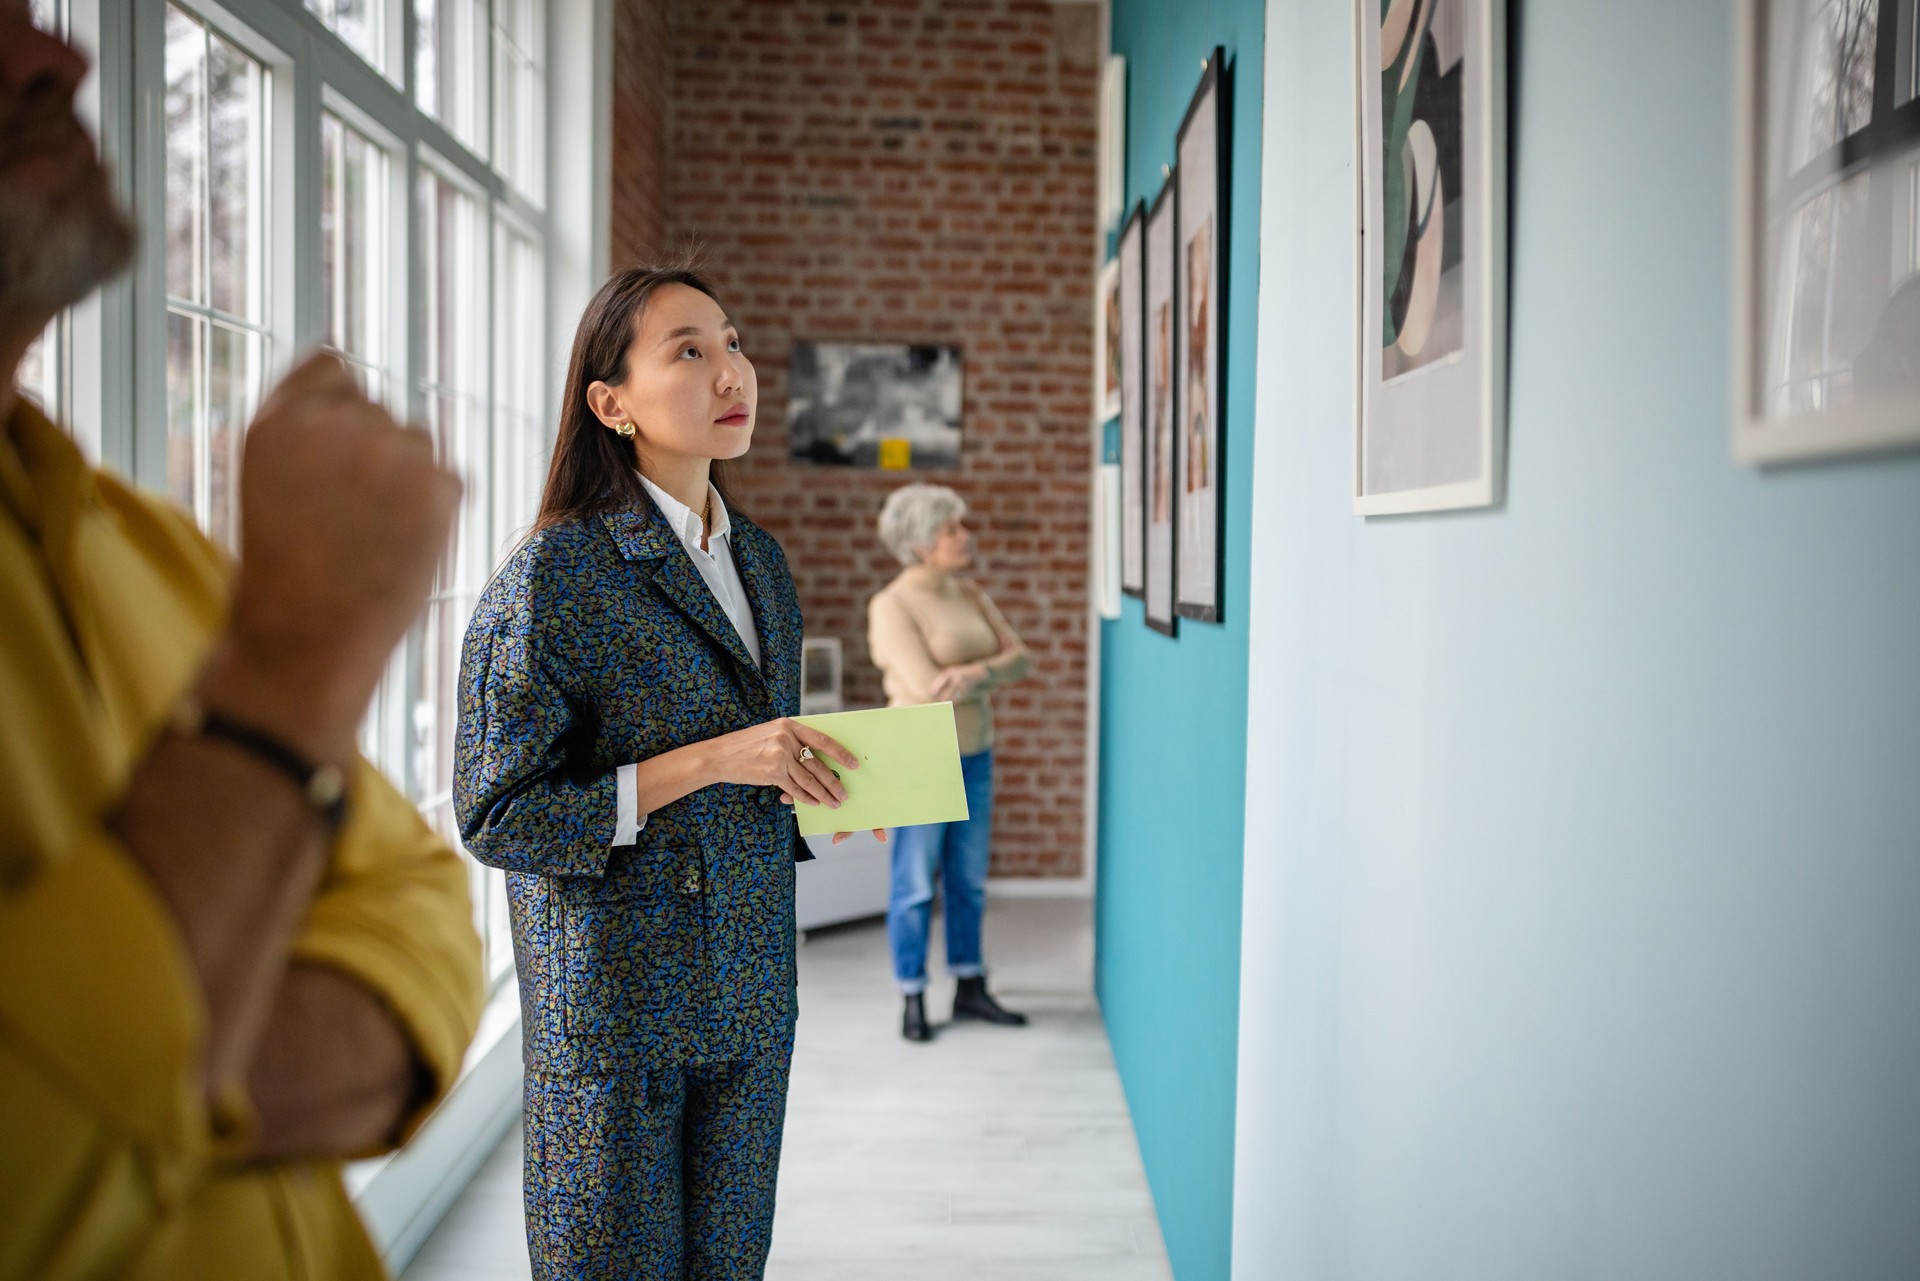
(592, 469)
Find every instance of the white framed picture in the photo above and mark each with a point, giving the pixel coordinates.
(1431, 432)
(1827, 229)
(1200, 343)
(1163, 414)
(1112, 175)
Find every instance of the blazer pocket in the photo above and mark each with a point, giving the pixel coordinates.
(618, 944)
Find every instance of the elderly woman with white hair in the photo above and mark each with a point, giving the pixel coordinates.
(936, 637)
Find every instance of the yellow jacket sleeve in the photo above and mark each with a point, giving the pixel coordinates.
(395, 913)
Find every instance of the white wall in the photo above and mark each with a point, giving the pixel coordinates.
(1582, 891)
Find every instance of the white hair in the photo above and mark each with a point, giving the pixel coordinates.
(913, 516)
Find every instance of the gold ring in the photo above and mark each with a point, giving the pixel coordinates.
(806, 753)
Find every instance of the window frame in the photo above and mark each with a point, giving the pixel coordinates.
(112, 360)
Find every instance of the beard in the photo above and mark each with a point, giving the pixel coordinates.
(55, 247)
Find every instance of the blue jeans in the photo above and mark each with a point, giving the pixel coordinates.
(958, 853)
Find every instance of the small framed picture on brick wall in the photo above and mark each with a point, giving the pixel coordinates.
(888, 405)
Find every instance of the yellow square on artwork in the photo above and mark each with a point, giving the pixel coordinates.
(896, 455)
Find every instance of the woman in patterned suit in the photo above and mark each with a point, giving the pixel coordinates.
(624, 753)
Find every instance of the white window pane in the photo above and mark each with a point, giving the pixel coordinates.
(235, 366)
(186, 123)
(186, 406)
(236, 185)
(519, 438)
(216, 264)
(450, 66)
(354, 254)
(454, 398)
(49, 15)
(519, 94)
(361, 23)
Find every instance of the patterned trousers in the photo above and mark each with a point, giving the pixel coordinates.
(654, 1176)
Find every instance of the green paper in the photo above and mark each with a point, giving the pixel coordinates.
(909, 769)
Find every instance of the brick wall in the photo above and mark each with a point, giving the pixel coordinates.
(642, 79)
(915, 170)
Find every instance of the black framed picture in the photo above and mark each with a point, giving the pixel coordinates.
(1133, 479)
(1163, 413)
(1200, 343)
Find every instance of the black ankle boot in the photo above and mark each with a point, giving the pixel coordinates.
(970, 1001)
(913, 1024)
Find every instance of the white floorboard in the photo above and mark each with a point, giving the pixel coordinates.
(992, 1154)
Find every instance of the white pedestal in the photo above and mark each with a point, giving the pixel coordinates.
(844, 882)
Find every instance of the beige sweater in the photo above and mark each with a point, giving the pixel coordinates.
(925, 621)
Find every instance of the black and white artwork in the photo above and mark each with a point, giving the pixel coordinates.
(1199, 343)
(1163, 414)
(1431, 432)
(887, 405)
(1827, 312)
(1133, 480)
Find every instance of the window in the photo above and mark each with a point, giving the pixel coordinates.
(218, 339)
(450, 66)
(519, 397)
(362, 24)
(519, 87)
(355, 182)
(399, 219)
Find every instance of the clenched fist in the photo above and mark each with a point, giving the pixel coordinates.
(343, 516)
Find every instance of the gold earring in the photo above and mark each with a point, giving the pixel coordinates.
(625, 429)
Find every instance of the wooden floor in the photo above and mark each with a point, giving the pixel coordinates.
(993, 1154)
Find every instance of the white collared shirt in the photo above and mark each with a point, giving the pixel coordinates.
(722, 577)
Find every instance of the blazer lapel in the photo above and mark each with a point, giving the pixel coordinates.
(645, 536)
(756, 567)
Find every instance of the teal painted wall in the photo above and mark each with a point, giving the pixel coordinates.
(1585, 853)
(1173, 713)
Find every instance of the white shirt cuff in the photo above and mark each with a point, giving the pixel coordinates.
(627, 823)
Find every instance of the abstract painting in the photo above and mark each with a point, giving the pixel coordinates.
(1432, 190)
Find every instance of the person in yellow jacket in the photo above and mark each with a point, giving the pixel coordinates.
(231, 955)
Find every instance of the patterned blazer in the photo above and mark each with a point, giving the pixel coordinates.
(599, 644)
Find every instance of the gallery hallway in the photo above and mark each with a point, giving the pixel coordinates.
(990, 1155)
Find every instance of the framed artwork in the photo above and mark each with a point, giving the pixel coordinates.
(1133, 399)
(1163, 412)
(886, 405)
(821, 663)
(1106, 524)
(1433, 210)
(1827, 235)
(1112, 173)
(1199, 344)
(1106, 342)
